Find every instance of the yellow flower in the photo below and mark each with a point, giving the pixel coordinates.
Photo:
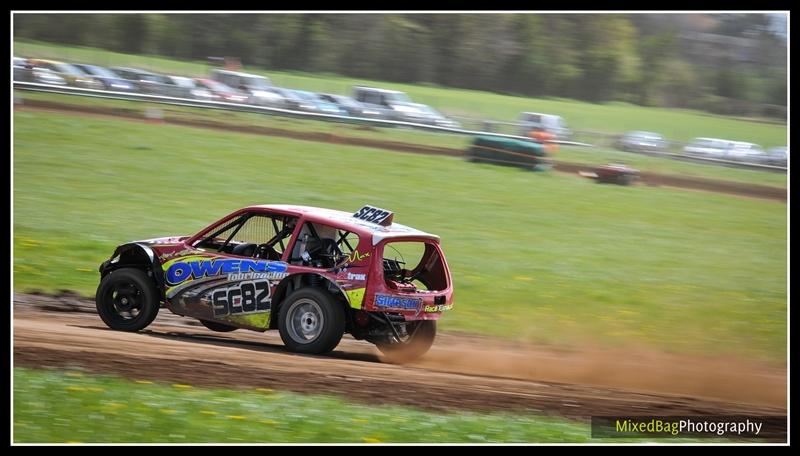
(371, 440)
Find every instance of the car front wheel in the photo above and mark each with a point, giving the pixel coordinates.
(127, 300)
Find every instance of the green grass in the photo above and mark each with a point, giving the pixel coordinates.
(59, 407)
(590, 156)
(52, 406)
(543, 257)
(675, 124)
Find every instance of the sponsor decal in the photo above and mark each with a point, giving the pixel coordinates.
(438, 308)
(257, 275)
(355, 256)
(186, 269)
(351, 276)
(396, 302)
(184, 252)
(356, 297)
(243, 297)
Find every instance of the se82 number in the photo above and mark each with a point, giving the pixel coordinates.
(372, 214)
(241, 298)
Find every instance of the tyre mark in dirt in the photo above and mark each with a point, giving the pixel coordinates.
(173, 351)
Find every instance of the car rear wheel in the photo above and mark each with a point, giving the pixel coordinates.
(127, 300)
(421, 335)
(311, 321)
(218, 327)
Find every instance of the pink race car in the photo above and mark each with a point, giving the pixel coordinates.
(314, 274)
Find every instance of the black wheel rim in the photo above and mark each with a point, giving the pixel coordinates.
(125, 300)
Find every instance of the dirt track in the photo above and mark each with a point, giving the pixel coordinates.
(460, 372)
(648, 178)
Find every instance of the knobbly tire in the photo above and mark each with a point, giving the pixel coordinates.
(311, 321)
(414, 347)
(127, 299)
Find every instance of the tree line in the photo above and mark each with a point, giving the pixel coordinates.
(635, 58)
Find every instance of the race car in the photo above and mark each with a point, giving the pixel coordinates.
(311, 273)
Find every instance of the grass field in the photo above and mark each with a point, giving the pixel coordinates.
(542, 257)
(590, 156)
(72, 407)
(678, 125)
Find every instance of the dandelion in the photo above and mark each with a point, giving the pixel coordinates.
(208, 412)
(144, 382)
(236, 417)
(371, 440)
(181, 386)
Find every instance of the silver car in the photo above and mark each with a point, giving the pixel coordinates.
(642, 141)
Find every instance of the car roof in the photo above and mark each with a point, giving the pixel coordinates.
(345, 220)
(53, 62)
(132, 70)
(239, 73)
(541, 114)
(377, 90)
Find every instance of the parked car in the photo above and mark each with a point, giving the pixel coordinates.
(549, 123)
(145, 81)
(778, 156)
(183, 87)
(434, 117)
(222, 92)
(110, 80)
(73, 75)
(258, 87)
(311, 273)
(294, 101)
(26, 72)
(746, 152)
(392, 104)
(353, 107)
(322, 106)
(642, 141)
(708, 147)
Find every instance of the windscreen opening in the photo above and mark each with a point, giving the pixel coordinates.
(413, 267)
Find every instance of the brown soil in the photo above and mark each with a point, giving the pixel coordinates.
(648, 178)
(460, 372)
